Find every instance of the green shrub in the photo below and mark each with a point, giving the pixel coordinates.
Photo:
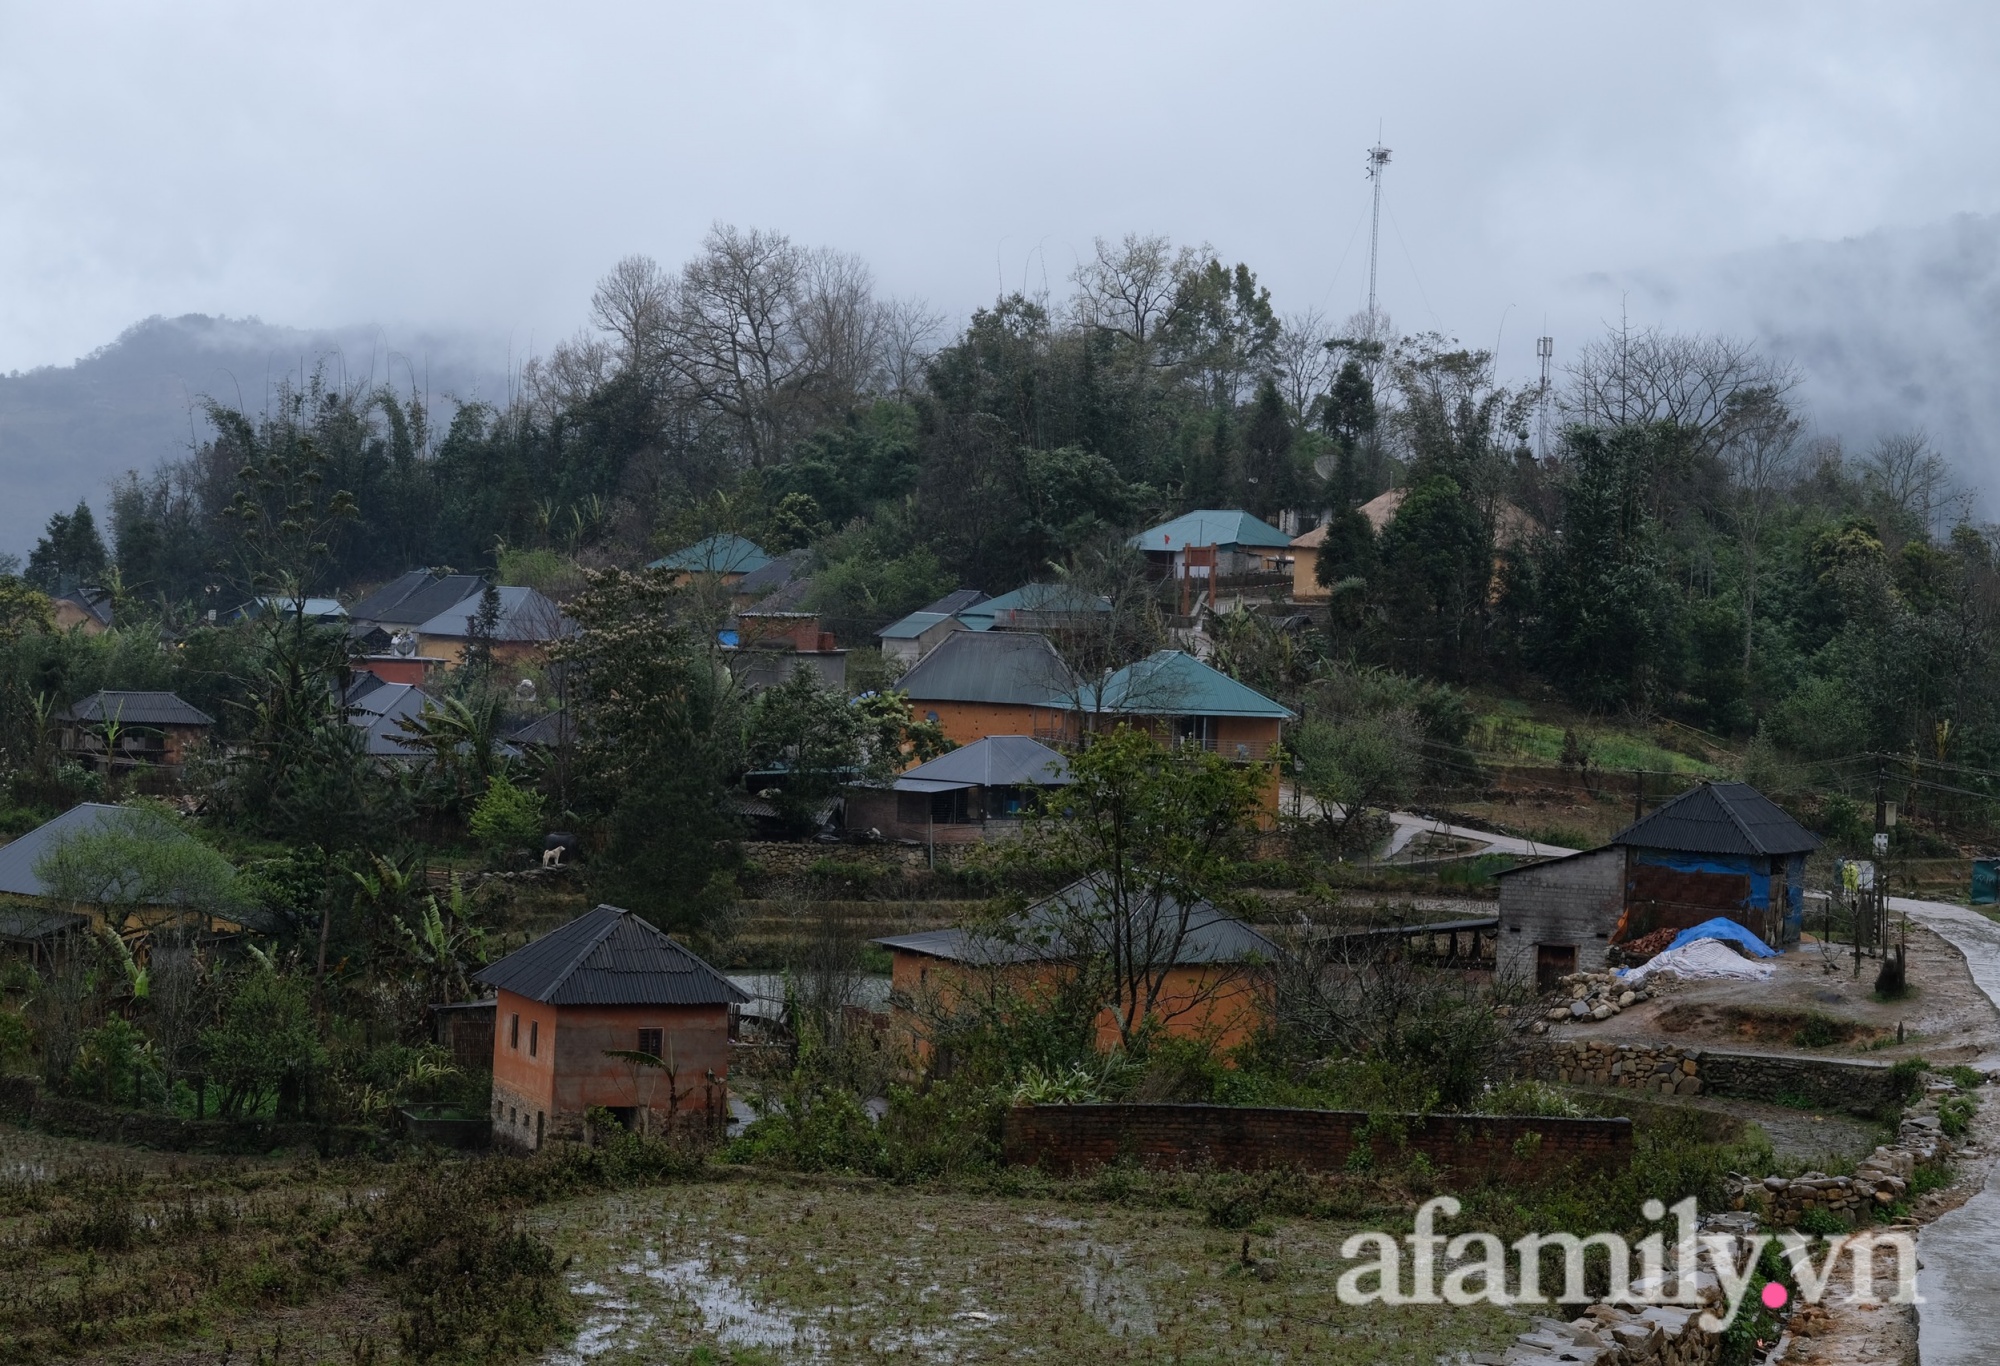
(507, 817)
(1534, 1099)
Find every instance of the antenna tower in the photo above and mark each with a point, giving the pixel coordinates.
(1378, 162)
(1545, 350)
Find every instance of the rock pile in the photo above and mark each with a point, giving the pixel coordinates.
(1595, 996)
(1621, 1335)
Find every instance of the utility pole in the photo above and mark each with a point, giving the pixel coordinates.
(1378, 162)
(1638, 794)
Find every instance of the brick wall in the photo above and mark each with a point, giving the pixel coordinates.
(1068, 1138)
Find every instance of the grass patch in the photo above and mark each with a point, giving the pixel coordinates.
(1523, 740)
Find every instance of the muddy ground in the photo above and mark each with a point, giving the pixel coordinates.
(1945, 1019)
(770, 1271)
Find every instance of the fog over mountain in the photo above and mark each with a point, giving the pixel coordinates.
(67, 431)
(1895, 330)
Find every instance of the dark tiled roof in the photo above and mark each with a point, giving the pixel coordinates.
(1016, 667)
(610, 957)
(1720, 818)
(138, 709)
(415, 597)
(1212, 937)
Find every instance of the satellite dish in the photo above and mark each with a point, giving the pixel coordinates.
(403, 643)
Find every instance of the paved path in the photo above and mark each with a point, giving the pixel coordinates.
(1406, 826)
(1960, 1279)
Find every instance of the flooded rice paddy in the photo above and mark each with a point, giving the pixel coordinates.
(746, 1273)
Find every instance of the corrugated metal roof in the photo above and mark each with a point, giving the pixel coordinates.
(726, 554)
(1029, 605)
(610, 957)
(19, 857)
(1720, 818)
(783, 569)
(379, 711)
(138, 709)
(996, 761)
(912, 626)
(956, 601)
(416, 596)
(551, 729)
(525, 615)
(1210, 526)
(1212, 937)
(1175, 683)
(1014, 667)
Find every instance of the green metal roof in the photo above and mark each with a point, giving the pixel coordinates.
(912, 626)
(726, 554)
(1211, 526)
(1175, 683)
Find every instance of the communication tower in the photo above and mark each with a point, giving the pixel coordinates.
(1378, 162)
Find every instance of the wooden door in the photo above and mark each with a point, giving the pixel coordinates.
(1553, 962)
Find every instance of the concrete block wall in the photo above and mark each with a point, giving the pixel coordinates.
(1071, 1138)
(1573, 901)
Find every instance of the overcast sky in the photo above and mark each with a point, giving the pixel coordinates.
(480, 166)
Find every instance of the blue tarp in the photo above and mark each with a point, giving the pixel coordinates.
(1723, 929)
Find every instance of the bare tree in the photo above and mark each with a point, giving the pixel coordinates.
(1760, 450)
(633, 304)
(1305, 364)
(1131, 288)
(771, 335)
(909, 340)
(1910, 478)
(1691, 380)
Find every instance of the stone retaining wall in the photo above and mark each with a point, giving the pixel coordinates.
(1855, 1086)
(1879, 1181)
(1069, 1138)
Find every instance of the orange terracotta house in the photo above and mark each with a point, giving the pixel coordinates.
(1214, 973)
(980, 683)
(1183, 701)
(606, 983)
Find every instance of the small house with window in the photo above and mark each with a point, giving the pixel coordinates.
(120, 731)
(1186, 702)
(964, 797)
(1717, 851)
(606, 1011)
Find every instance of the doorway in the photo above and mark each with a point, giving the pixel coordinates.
(1553, 962)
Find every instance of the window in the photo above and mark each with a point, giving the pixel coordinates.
(650, 1042)
(514, 1032)
(534, 1037)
